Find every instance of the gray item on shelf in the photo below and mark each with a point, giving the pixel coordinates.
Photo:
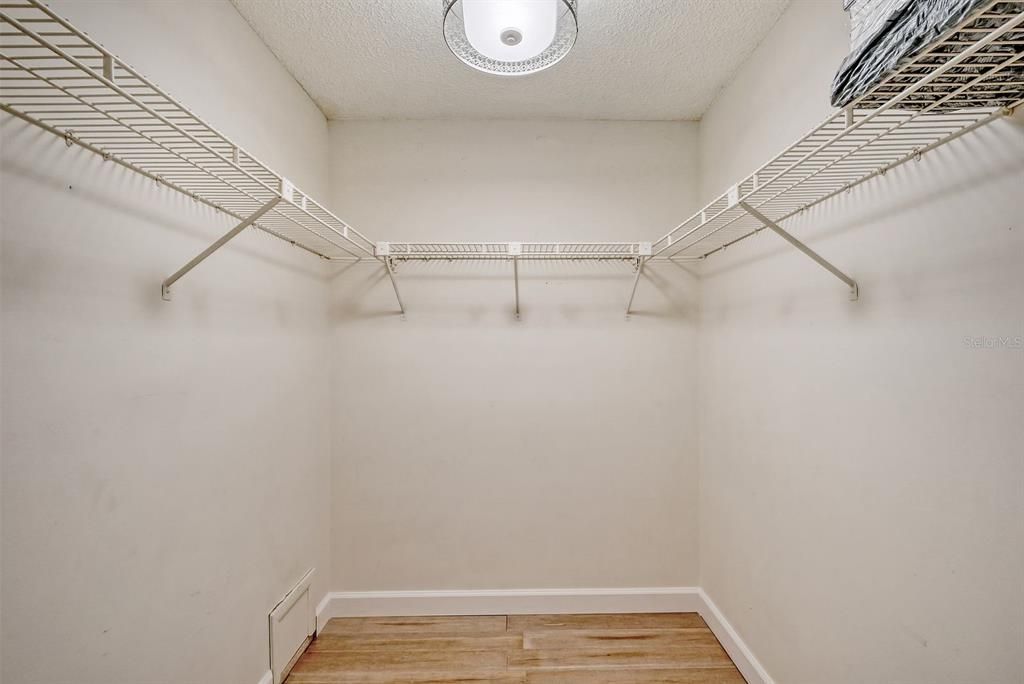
(911, 28)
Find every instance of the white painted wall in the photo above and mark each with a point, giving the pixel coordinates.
(472, 451)
(165, 465)
(862, 515)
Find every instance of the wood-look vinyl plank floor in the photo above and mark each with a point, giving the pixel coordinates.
(409, 642)
(474, 625)
(701, 675)
(522, 623)
(661, 648)
(616, 639)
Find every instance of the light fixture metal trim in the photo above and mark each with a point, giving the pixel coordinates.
(565, 37)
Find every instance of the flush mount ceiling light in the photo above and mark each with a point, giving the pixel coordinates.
(510, 37)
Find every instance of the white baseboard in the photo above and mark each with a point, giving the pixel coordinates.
(741, 655)
(267, 678)
(508, 602)
(526, 601)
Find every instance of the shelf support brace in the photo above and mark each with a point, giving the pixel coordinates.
(515, 271)
(820, 260)
(515, 250)
(390, 268)
(636, 281)
(644, 251)
(165, 287)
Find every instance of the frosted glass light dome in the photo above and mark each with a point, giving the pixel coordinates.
(510, 37)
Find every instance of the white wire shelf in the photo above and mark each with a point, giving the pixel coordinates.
(56, 77)
(927, 102)
(570, 251)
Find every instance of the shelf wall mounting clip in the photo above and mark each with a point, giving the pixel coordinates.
(820, 260)
(108, 67)
(165, 287)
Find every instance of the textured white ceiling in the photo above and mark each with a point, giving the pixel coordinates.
(634, 59)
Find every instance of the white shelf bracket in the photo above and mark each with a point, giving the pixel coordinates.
(820, 260)
(389, 266)
(515, 269)
(644, 250)
(165, 287)
(515, 249)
